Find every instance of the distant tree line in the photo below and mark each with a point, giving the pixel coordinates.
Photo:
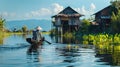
(24, 29)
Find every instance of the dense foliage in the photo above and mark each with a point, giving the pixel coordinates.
(24, 29)
(2, 22)
(115, 24)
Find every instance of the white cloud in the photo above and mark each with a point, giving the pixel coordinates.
(4, 14)
(57, 8)
(40, 12)
(86, 12)
(7, 15)
(45, 12)
(92, 6)
(81, 10)
(28, 15)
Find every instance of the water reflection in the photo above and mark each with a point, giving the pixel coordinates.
(107, 58)
(33, 56)
(34, 49)
(107, 53)
(2, 37)
(69, 52)
(63, 40)
(1, 40)
(111, 57)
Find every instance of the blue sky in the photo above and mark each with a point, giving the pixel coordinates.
(44, 9)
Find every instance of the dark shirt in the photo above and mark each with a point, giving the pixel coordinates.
(37, 35)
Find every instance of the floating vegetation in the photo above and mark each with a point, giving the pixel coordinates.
(103, 42)
(103, 39)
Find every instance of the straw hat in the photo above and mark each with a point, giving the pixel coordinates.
(38, 28)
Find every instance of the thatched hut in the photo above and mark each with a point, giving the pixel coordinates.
(66, 21)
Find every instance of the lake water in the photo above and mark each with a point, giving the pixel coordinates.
(13, 53)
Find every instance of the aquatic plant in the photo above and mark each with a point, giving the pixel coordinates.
(68, 35)
(101, 39)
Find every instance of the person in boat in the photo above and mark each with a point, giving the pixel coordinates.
(37, 36)
(35, 41)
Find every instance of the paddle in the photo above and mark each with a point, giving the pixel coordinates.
(47, 41)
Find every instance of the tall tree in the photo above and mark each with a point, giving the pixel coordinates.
(115, 18)
(85, 25)
(2, 22)
(115, 24)
(116, 3)
(24, 29)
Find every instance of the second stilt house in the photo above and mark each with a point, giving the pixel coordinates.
(66, 21)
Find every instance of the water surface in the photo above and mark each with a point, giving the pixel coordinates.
(13, 53)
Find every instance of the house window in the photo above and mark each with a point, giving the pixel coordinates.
(105, 17)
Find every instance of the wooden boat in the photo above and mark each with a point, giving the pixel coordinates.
(34, 44)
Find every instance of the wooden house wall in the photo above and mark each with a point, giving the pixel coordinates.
(71, 21)
(103, 18)
(105, 12)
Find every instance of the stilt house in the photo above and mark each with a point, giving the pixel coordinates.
(66, 21)
(103, 17)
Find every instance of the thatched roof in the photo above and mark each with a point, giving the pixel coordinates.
(68, 12)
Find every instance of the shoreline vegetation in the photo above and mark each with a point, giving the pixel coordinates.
(7, 34)
(18, 33)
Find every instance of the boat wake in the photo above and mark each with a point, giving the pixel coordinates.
(12, 47)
